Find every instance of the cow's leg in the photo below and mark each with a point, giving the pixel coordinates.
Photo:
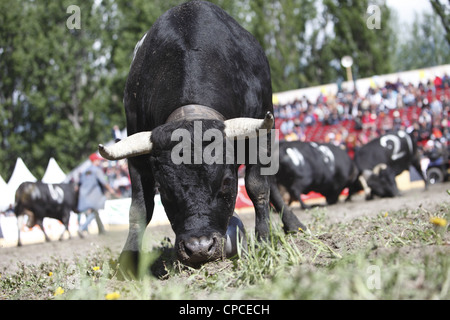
(141, 210)
(64, 231)
(258, 190)
(41, 225)
(352, 189)
(19, 225)
(296, 192)
(290, 221)
(65, 221)
(416, 164)
(333, 198)
(19, 212)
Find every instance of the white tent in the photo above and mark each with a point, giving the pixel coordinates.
(53, 173)
(5, 195)
(20, 174)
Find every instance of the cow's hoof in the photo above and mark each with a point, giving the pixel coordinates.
(294, 228)
(291, 224)
(127, 266)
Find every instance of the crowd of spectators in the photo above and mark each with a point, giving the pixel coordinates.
(371, 114)
(118, 177)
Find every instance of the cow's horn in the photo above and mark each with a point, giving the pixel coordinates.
(132, 146)
(378, 168)
(245, 128)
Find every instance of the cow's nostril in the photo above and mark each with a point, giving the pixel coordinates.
(199, 249)
(211, 247)
(187, 250)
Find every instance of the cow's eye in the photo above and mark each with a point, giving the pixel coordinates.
(226, 184)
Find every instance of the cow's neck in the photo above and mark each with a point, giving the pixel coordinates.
(194, 112)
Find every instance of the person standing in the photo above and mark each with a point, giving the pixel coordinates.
(92, 187)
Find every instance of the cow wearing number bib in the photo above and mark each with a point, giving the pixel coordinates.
(39, 200)
(381, 160)
(319, 167)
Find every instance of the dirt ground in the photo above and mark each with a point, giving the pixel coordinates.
(77, 248)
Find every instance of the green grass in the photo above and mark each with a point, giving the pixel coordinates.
(393, 255)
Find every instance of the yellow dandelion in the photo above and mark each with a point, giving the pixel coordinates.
(300, 229)
(95, 268)
(59, 291)
(441, 222)
(386, 214)
(50, 274)
(112, 296)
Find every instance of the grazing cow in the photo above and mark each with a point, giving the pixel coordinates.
(198, 76)
(310, 166)
(38, 200)
(381, 160)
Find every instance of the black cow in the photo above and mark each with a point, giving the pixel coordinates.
(381, 160)
(195, 71)
(309, 166)
(38, 200)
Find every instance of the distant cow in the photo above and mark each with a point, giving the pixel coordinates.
(38, 200)
(310, 166)
(381, 160)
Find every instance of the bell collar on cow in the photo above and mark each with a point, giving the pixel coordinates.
(194, 112)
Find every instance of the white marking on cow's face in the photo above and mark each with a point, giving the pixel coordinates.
(57, 193)
(296, 156)
(138, 45)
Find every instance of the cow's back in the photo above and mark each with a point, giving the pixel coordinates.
(397, 150)
(322, 167)
(196, 54)
(46, 200)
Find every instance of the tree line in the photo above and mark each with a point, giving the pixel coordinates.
(61, 83)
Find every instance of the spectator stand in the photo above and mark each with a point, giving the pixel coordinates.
(416, 100)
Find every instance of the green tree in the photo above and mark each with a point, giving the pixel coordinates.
(369, 47)
(425, 47)
(443, 11)
(281, 28)
(52, 101)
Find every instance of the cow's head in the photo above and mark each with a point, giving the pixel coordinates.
(198, 196)
(381, 181)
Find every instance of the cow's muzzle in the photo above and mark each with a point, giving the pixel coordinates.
(194, 251)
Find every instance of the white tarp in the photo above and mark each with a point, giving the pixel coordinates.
(117, 212)
(53, 173)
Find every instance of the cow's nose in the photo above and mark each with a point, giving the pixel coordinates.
(197, 250)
